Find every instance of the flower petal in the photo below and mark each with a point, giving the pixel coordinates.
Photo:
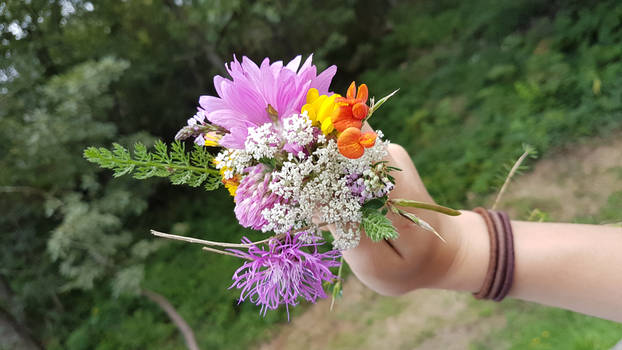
(348, 143)
(312, 95)
(327, 126)
(294, 64)
(322, 82)
(363, 93)
(368, 139)
(359, 110)
(351, 90)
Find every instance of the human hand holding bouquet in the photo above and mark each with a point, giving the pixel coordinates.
(297, 158)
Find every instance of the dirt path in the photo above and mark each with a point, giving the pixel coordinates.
(426, 319)
(572, 183)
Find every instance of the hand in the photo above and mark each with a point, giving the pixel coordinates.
(571, 266)
(417, 258)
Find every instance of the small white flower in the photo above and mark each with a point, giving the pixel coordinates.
(346, 239)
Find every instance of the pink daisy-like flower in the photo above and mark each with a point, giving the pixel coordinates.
(284, 272)
(243, 101)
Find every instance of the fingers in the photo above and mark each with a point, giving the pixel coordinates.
(366, 127)
(408, 182)
(375, 264)
(394, 267)
(414, 244)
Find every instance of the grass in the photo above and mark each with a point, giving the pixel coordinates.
(531, 326)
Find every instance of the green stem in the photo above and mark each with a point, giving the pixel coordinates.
(167, 166)
(421, 205)
(337, 287)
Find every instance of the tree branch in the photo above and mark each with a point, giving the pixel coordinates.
(6, 293)
(172, 313)
(15, 336)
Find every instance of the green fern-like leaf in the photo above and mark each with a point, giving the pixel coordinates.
(192, 168)
(377, 226)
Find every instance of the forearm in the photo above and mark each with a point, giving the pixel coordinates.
(572, 266)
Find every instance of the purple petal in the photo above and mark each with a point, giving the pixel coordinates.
(322, 82)
(294, 64)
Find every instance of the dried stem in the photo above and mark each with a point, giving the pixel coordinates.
(519, 161)
(212, 243)
(223, 252)
(225, 244)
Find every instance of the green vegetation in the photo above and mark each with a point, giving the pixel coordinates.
(531, 326)
(477, 79)
(480, 78)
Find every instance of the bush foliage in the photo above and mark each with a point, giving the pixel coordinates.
(477, 79)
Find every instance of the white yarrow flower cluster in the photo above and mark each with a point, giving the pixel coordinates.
(262, 142)
(232, 161)
(297, 129)
(318, 185)
(310, 185)
(265, 141)
(346, 238)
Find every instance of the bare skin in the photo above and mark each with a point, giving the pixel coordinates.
(571, 266)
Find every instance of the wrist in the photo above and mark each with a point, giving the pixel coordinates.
(465, 255)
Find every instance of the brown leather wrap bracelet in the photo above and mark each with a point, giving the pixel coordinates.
(500, 272)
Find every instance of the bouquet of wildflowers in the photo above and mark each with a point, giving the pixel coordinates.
(295, 158)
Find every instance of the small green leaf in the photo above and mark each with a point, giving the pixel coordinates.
(193, 168)
(377, 226)
(375, 203)
(269, 162)
(375, 105)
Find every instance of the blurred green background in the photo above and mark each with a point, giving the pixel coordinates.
(477, 79)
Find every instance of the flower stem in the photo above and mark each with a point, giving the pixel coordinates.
(337, 287)
(422, 205)
(223, 252)
(225, 244)
(212, 243)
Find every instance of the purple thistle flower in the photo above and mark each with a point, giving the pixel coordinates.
(242, 101)
(283, 273)
(253, 196)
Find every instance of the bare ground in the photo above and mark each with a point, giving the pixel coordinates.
(426, 319)
(570, 184)
(574, 182)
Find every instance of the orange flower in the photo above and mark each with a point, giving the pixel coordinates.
(352, 109)
(230, 184)
(352, 143)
